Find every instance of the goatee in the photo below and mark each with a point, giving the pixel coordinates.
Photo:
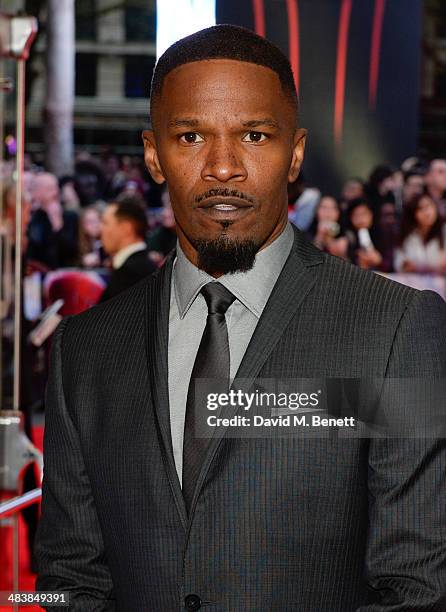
(226, 256)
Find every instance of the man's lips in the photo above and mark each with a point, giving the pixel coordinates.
(225, 208)
(224, 203)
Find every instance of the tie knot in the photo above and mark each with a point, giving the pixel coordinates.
(217, 297)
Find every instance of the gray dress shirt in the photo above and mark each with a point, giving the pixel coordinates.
(188, 313)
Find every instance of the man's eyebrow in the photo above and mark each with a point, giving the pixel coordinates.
(177, 122)
(253, 123)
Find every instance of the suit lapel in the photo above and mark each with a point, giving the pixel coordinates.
(293, 285)
(157, 342)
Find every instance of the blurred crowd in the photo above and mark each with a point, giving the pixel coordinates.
(111, 216)
(395, 221)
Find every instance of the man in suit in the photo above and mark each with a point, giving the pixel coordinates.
(138, 512)
(124, 226)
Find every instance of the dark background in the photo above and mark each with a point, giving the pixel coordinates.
(387, 134)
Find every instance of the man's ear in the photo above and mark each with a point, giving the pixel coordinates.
(151, 157)
(300, 137)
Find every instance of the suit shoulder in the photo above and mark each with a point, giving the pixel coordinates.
(364, 286)
(138, 263)
(342, 281)
(114, 314)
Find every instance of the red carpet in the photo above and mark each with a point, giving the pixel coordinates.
(26, 577)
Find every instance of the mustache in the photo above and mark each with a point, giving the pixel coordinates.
(224, 193)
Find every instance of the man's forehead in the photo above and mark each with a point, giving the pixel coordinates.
(438, 164)
(214, 80)
(216, 90)
(208, 68)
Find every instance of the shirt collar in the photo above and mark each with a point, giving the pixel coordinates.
(251, 288)
(121, 256)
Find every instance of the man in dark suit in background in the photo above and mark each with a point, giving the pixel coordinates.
(138, 513)
(124, 227)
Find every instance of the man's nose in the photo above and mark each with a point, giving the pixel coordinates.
(223, 163)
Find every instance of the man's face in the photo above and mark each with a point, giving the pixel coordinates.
(112, 230)
(226, 142)
(45, 189)
(437, 174)
(413, 187)
(352, 190)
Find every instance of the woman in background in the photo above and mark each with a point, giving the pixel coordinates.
(325, 231)
(91, 253)
(422, 242)
(362, 235)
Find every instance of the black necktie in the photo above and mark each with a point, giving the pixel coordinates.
(212, 362)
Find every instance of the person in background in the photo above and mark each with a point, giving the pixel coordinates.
(422, 241)
(435, 180)
(68, 195)
(325, 231)
(8, 221)
(304, 201)
(114, 176)
(91, 252)
(52, 231)
(382, 186)
(162, 239)
(361, 235)
(89, 181)
(413, 186)
(28, 352)
(387, 230)
(353, 188)
(44, 189)
(123, 231)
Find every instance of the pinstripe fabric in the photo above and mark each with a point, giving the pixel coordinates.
(311, 525)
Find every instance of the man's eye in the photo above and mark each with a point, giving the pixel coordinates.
(255, 137)
(191, 137)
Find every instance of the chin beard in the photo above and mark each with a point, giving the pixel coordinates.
(226, 256)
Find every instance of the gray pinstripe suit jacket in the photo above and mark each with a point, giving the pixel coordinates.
(309, 525)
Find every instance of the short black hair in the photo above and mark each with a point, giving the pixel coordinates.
(411, 173)
(131, 208)
(224, 42)
(358, 202)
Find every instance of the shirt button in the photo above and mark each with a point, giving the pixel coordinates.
(192, 602)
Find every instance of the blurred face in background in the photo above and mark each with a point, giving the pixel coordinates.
(87, 186)
(352, 190)
(328, 211)
(69, 195)
(44, 189)
(426, 213)
(436, 177)
(111, 230)
(413, 186)
(388, 185)
(361, 217)
(387, 215)
(167, 216)
(9, 213)
(91, 223)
